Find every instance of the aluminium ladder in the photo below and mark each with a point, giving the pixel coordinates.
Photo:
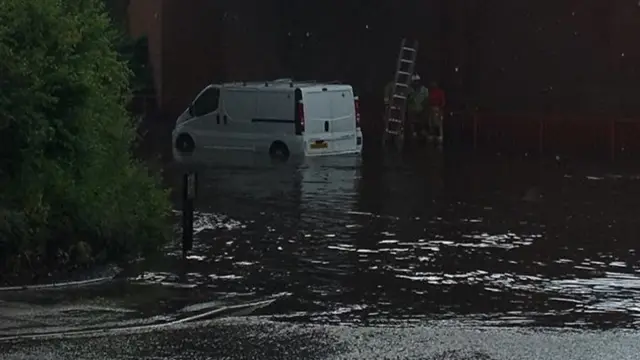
(395, 113)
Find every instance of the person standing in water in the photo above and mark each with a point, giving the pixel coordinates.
(437, 102)
(416, 107)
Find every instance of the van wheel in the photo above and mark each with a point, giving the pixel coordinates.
(185, 144)
(279, 150)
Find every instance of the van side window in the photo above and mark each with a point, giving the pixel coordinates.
(207, 102)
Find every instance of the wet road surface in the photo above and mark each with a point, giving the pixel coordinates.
(423, 257)
(258, 338)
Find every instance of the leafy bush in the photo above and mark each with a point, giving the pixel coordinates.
(67, 177)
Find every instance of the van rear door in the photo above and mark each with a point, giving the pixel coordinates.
(330, 122)
(317, 118)
(343, 118)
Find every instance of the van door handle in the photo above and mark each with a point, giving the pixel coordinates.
(326, 126)
(224, 118)
(218, 119)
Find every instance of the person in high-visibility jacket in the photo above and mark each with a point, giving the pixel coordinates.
(417, 106)
(437, 103)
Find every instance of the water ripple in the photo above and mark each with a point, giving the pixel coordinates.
(355, 242)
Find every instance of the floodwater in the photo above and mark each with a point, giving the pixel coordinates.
(371, 241)
(379, 242)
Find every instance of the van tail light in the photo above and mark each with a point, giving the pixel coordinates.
(298, 112)
(356, 102)
(300, 117)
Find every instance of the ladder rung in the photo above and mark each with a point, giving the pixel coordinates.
(399, 96)
(402, 85)
(404, 73)
(392, 120)
(408, 49)
(392, 132)
(406, 61)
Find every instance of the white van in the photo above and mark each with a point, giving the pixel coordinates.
(281, 118)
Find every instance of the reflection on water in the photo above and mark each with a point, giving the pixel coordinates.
(370, 240)
(427, 237)
(345, 239)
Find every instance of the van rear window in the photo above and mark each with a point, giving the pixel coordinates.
(317, 105)
(342, 104)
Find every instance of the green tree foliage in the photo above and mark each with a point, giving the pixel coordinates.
(67, 177)
(134, 51)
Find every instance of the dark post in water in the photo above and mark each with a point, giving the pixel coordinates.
(189, 192)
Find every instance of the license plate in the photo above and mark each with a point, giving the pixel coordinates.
(319, 145)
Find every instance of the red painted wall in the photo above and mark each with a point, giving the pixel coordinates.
(569, 59)
(212, 41)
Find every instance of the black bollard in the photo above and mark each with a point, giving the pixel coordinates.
(189, 192)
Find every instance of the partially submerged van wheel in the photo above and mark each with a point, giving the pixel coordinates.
(279, 150)
(185, 144)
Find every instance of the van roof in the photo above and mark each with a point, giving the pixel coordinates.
(281, 84)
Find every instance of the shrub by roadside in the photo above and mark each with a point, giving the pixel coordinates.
(70, 191)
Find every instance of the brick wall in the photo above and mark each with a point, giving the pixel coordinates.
(212, 41)
(568, 58)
